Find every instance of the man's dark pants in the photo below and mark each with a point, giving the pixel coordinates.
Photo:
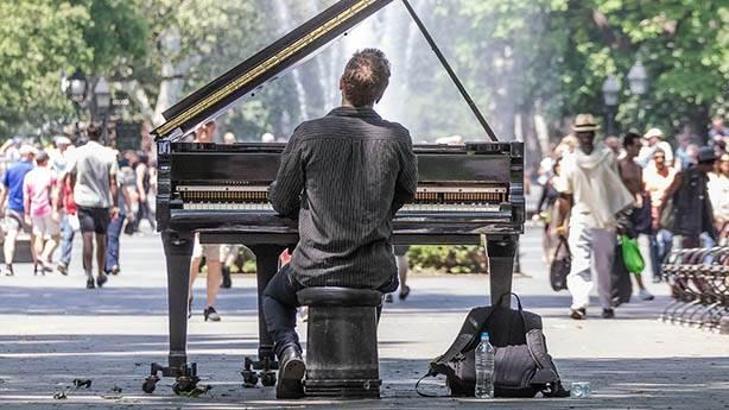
(280, 303)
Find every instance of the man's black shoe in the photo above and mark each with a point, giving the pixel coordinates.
(90, 283)
(608, 313)
(101, 279)
(290, 374)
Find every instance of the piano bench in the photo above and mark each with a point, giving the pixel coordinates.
(341, 342)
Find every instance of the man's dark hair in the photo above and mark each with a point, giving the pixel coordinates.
(366, 77)
(629, 139)
(93, 132)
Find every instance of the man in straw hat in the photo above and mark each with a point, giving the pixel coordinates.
(590, 180)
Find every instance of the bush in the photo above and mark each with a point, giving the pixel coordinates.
(449, 259)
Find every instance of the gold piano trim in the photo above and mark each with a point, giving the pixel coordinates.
(263, 67)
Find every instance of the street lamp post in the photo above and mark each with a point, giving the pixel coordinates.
(638, 82)
(102, 103)
(75, 88)
(638, 79)
(610, 92)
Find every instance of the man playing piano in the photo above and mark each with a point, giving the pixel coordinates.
(344, 176)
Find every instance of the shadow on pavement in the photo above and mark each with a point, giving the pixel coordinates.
(242, 301)
(29, 378)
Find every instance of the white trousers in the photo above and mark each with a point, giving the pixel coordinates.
(592, 251)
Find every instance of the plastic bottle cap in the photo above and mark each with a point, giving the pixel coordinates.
(484, 335)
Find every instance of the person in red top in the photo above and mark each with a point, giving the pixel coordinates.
(69, 224)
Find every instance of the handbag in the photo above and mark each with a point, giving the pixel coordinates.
(631, 254)
(560, 267)
(522, 367)
(621, 285)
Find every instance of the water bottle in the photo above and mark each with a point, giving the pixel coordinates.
(485, 359)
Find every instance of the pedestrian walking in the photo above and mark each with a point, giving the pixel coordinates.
(654, 139)
(591, 181)
(632, 175)
(143, 180)
(69, 223)
(546, 210)
(116, 224)
(719, 196)
(690, 212)
(211, 252)
(40, 196)
(93, 177)
(658, 177)
(13, 204)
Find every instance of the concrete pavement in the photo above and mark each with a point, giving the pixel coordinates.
(52, 331)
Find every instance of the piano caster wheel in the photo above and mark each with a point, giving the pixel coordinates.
(250, 378)
(268, 379)
(184, 384)
(150, 383)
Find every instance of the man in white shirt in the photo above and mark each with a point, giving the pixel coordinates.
(590, 178)
(652, 141)
(93, 178)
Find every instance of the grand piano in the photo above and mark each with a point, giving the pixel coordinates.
(467, 194)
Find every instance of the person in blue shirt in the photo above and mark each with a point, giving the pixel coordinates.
(11, 200)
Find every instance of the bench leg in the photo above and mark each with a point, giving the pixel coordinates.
(500, 250)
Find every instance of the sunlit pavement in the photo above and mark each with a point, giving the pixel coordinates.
(52, 331)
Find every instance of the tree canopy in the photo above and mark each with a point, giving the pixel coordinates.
(522, 61)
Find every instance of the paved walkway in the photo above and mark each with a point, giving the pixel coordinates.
(52, 331)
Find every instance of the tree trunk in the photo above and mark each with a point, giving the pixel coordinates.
(172, 74)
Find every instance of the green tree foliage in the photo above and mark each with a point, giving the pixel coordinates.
(518, 59)
(682, 43)
(39, 39)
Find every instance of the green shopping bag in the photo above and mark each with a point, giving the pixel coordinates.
(631, 254)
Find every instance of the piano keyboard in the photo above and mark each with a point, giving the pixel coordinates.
(266, 207)
(427, 198)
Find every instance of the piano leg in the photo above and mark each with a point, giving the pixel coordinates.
(178, 252)
(266, 266)
(501, 250)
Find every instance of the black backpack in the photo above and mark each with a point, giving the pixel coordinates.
(522, 367)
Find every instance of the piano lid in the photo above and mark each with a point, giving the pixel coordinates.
(247, 77)
(295, 47)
